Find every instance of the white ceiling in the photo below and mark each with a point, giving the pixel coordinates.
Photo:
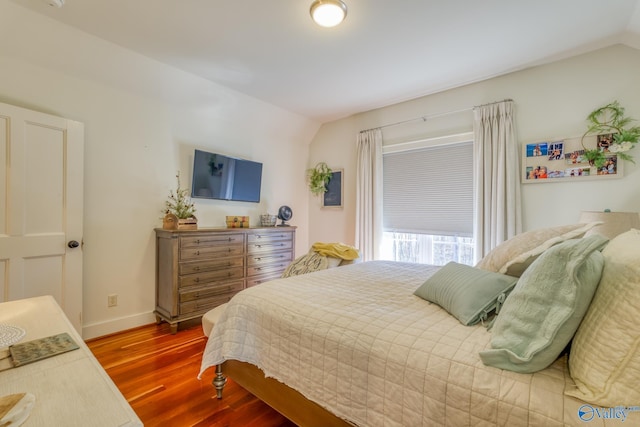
(386, 51)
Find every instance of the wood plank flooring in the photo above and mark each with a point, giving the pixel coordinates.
(157, 373)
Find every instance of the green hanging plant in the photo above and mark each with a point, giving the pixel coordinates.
(610, 119)
(318, 178)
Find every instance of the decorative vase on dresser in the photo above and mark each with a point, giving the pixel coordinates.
(197, 270)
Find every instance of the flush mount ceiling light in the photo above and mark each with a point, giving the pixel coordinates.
(55, 3)
(328, 13)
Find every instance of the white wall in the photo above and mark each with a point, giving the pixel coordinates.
(552, 101)
(142, 121)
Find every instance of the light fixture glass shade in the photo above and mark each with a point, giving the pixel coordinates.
(328, 13)
(613, 223)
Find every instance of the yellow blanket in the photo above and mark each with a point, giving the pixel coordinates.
(336, 250)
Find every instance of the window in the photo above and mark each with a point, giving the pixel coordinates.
(428, 203)
(427, 248)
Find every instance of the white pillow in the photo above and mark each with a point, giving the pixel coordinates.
(605, 355)
(513, 256)
(333, 262)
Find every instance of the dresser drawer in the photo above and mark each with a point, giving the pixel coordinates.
(214, 239)
(260, 247)
(192, 294)
(209, 265)
(268, 258)
(195, 253)
(203, 305)
(276, 268)
(267, 237)
(257, 280)
(200, 279)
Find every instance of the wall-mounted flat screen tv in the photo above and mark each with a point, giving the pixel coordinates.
(216, 176)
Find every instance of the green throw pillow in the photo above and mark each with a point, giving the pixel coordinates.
(546, 307)
(468, 293)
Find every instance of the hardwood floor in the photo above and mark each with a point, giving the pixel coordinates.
(157, 373)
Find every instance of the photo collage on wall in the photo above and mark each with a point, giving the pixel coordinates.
(565, 159)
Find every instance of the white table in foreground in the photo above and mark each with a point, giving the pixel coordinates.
(71, 389)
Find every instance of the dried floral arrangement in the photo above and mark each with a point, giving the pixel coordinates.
(179, 203)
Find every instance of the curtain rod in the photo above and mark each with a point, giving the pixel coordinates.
(433, 116)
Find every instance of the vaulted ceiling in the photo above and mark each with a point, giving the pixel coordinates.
(384, 52)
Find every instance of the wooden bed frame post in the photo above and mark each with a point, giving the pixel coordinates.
(219, 381)
(282, 398)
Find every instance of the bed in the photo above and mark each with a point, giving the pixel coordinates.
(354, 346)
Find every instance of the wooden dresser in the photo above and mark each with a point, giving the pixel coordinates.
(197, 270)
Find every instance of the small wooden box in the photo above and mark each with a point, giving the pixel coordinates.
(237, 222)
(172, 222)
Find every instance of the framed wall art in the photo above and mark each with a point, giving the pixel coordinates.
(332, 198)
(562, 160)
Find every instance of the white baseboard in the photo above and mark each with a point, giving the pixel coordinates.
(111, 326)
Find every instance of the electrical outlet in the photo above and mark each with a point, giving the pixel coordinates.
(112, 300)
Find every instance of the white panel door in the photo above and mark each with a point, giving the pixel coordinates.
(41, 185)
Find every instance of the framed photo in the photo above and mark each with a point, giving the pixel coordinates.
(563, 160)
(538, 149)
(556, 150)
(332, 198)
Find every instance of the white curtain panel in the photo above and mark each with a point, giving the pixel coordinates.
(369, 194)
(498, 215)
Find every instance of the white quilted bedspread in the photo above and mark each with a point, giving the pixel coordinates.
(358, 342)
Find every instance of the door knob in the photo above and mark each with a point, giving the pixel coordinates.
(73, 244)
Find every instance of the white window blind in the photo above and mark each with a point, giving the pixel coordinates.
(429, 190)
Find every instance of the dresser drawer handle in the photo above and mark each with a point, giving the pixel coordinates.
(197, 241)
(216, 292)
(197, 252)
(257, 259)
(199, 306)
(197, 279)
(197, 268)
